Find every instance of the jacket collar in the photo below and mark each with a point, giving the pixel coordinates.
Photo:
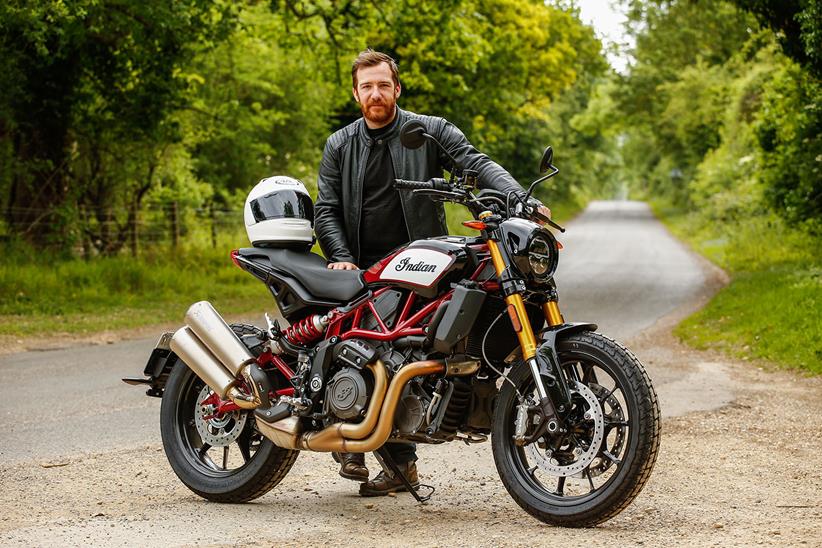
(362, 129)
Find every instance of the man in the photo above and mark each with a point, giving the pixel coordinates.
(360, 217)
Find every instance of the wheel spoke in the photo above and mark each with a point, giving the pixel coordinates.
(560, 492)
(611, 457)
(244, 443)
(532, 470)
(590, 479)
(225, 457)
(588, 374)
(609, 394)
(203, 450)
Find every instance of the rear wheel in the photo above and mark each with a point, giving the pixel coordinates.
(222, 458)
(593, 471)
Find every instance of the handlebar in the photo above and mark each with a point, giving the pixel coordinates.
(439, 184)
(433, 184)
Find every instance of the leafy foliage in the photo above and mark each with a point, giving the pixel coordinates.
(79, 79)
(113, 116)
(798, 24)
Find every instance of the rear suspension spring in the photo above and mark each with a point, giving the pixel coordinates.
(307, 330)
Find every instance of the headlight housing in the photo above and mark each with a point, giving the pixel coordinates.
(532, 248)
(542, 257)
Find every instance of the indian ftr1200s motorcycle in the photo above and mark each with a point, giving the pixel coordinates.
(446, 339)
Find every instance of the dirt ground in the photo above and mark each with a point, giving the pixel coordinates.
(744, 474)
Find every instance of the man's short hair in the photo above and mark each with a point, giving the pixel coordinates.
(371, 58)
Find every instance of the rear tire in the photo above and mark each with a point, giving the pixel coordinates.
(264, 464)
(629, 412)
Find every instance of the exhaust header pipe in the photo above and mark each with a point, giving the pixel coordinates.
(371, 433)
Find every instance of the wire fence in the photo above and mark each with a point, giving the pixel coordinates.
(155, 224)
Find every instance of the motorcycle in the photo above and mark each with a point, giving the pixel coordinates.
(446, 339)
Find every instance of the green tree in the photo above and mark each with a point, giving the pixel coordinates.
(798, 24)
(79, 76)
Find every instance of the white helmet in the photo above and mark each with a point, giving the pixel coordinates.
(279, 213)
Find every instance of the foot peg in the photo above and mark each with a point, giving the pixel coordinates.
(274, 413)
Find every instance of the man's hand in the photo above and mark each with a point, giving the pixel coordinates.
(544, 211)
(342, 266)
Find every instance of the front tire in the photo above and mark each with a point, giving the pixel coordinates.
(591, 473)
(213, 471)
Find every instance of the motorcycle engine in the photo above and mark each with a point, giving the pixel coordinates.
(410, 415)
(347, 393)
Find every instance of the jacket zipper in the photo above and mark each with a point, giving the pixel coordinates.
(361, 183)
(402, 198)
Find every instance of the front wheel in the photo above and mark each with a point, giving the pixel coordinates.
(592, 471)
(222, 458)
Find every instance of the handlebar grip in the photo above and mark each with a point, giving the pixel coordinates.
(412, 185)
(434, 184)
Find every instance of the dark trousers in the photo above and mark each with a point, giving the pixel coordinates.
(402, 452)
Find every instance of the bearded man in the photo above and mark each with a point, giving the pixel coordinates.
(360, 217)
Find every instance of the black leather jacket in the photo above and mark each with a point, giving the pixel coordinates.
(340, 182)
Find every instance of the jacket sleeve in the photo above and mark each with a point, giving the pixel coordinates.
(491, 174)
(328, 219)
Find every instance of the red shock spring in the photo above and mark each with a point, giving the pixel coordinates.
(307, 330)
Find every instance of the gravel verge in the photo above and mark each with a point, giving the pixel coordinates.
(744, 474)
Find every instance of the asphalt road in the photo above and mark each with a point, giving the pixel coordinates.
(619, 268)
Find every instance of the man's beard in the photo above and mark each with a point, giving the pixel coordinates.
(382, 114)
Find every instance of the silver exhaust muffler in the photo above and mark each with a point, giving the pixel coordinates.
(211, 328)
(213, 351)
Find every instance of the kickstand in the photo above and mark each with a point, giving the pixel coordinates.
(385, 459)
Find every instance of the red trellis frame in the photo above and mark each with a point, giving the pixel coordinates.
(407, 325)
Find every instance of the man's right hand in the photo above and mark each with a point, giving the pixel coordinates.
(342, 266)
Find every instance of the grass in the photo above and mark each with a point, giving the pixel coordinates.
(75, 296)
(772, 309)
(44, 294)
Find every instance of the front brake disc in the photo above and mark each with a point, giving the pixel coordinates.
(542, 456)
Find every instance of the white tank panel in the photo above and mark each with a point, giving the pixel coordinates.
(417, 266)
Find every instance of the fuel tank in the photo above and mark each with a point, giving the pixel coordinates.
(426, 267)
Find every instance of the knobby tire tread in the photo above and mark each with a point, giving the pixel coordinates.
(646, 453)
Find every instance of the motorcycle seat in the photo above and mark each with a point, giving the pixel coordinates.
(311, 271)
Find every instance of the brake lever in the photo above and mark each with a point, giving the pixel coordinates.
(447, 194)
(545, 220)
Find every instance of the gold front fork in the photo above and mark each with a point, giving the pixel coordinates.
(519, 316)
(552, 313)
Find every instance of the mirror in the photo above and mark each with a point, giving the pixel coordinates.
(545, 162)
(412, 134)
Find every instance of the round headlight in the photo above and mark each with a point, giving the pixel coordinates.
(540, 257)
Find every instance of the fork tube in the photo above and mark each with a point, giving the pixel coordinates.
(525, 333)
(552, 313)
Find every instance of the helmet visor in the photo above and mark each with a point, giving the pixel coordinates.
(281, 204)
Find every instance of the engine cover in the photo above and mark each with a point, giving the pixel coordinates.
(410, 415)
(347, 393)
